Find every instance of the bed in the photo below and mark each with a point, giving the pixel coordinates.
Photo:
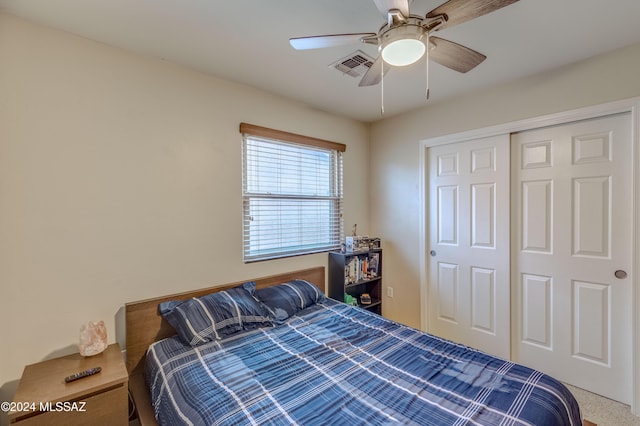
(321, 362)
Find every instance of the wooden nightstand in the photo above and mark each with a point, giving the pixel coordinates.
(43, 397)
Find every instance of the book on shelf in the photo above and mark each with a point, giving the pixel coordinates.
(362, 268)
(374, 260)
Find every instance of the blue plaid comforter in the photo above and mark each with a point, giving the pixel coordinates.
(333, 364)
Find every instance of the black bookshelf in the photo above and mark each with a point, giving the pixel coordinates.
(355, 273)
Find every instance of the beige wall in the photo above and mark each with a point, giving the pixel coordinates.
(120, 179)
(395, 151)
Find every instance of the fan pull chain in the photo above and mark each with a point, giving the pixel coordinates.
(427, 75)
(382, 88)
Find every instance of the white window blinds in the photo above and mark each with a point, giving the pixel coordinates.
(292, 194)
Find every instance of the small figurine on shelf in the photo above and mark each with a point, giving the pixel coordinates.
(350, 300)
(365, 299)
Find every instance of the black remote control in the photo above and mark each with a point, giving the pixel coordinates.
(82, 374)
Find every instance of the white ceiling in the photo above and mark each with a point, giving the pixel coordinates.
(247, 41)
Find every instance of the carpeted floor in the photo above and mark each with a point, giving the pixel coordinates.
(603, 411)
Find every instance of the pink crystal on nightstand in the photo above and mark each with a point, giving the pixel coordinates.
(93, 338)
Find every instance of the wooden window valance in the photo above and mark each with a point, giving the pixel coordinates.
(265, 132)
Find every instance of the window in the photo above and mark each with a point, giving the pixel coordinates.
(291, 194)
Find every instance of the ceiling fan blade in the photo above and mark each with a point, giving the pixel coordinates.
(384, 6)
(374, 74)
(459, 11)
(317, 42)
(453, 55)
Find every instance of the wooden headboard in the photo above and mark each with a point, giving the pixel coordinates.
(145, 325)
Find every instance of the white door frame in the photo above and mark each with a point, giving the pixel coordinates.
(627, 105)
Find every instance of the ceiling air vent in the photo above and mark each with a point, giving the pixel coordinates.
(355, 64)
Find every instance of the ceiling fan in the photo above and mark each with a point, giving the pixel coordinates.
(404, 38)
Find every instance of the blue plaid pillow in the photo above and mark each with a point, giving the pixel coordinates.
(215, 316)
(288, 298)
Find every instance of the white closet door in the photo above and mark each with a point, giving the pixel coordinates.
(469, 243)
(571, 253)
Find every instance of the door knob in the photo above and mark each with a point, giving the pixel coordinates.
(620, 274)
(432, 253)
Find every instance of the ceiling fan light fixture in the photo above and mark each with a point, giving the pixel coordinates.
(403, 45)
(403, 52)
